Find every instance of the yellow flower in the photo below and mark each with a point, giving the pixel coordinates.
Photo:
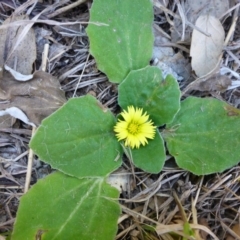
(135, 127)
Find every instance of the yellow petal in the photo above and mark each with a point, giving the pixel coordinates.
(143, 127)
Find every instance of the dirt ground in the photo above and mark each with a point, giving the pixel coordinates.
(210, 201)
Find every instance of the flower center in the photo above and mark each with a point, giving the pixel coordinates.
(133, 128)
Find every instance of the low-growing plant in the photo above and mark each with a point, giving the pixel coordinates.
(85, 141)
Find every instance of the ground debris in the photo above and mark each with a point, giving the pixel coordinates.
(147, 200)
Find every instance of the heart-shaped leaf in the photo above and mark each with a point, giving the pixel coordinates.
(78, 139)
(146, 88)
(204, 136)
(63, 207)
(121, 37)
(151, 157)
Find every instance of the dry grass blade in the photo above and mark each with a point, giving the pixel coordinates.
(24, 6)
(163, 229)
(215, 187)
(183, 17)
(66, 8)
(159, 5)
(49, 22)
(180, 207)
(230, 231)
(80, 78)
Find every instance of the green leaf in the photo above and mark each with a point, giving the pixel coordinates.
(151, 157)
(187, 230)
(62, 207)
(147, 89)
(204, 136)
(78, 139)
(121, 36)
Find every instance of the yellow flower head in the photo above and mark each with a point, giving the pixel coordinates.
(135, 128)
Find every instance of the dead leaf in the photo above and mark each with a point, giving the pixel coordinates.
(21, 59)
(7, 121)
(206, 51)
(192, 10)
(216, 82)
(16, 113)
(18, 76)
(37, 98)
